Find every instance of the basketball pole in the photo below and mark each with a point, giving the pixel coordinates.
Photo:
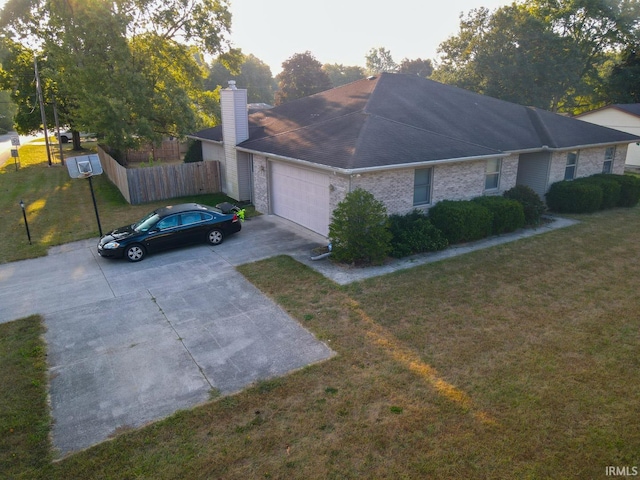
(95, 205)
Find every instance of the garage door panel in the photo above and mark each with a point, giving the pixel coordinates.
(300, 195)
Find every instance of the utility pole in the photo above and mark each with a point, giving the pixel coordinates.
(41, 102)
(55, 116)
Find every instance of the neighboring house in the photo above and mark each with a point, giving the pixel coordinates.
(622, 116)
(410, 141)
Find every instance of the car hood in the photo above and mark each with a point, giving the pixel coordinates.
(118, 234)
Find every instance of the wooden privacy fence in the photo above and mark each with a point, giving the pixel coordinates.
(141, 185)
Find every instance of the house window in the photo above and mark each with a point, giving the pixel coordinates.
(422, 186)
(609, 154)
(570, 168)
(492, 175)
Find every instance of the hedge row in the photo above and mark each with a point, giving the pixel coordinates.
(455, 221)
(598, 192)
(414, 233)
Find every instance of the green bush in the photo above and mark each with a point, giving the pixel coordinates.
(359, 230)
(629, 188)
(194, 152)
(414, 233)
(532, 204)
(610, 189)
(574, 197)
(461, 220)
(508, 215)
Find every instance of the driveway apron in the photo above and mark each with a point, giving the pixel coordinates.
(129, 344)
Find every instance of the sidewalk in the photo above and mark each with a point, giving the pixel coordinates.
(344, 275)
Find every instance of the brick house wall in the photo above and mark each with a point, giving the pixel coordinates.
(590, 162)
(450, 181)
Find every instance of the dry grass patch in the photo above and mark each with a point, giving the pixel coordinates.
(519, 361)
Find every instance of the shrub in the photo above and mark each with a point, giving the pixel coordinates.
(414, 233)
(629, 188)
(574, 197)
(508, 215)
(531, 203)
(359, 230)
(194, 152)
(461, 220)
(610, 189)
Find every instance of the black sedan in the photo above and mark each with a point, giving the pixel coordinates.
(169, 227)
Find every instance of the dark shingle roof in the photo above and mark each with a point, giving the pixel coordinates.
(632, 108)
(397, 119)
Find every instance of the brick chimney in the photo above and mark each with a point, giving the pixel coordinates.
(235, 130)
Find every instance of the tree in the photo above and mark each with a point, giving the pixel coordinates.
(121, 67)
(379, 60)
(341, 75)
(419, 67)
(359, 230)
(623, 83)
(301, 76)
(511, 55)
(252, 74)
(547, 53)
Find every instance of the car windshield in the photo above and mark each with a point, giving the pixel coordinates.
(147, 222)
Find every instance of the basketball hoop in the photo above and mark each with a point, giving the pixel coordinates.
(85, 174)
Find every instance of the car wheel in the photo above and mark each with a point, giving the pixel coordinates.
(135, 253)
(64, 139)
(215, 237)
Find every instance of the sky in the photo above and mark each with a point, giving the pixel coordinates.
(343, 31)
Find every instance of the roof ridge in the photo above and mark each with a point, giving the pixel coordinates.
(540, 127)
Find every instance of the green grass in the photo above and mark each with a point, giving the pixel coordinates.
(518, 361)
(59, 209)
(24, 416)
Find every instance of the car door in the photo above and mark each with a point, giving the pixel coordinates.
(192, 227)
(165, 234)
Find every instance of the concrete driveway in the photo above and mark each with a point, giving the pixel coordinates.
(132, 343)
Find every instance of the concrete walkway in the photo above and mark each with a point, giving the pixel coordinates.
(344, 275)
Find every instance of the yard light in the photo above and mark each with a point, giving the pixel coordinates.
(26, 225)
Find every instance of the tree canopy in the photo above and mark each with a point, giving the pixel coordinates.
(130, 70)
(379, 60)
(302, 75)
(547, 53)
(341, 74)
(252, 74)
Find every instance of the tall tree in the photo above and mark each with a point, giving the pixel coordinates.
(623, 83)
(123, 67)
(253, 74)
(419, 67)
(380, 60)
(546, 53)
(341, 75)
(301, 76)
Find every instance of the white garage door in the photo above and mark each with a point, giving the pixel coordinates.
(301, 196)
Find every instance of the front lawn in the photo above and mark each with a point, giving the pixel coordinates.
(59, 209)
(518, 361)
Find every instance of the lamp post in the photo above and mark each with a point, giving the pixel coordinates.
(26, 225)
